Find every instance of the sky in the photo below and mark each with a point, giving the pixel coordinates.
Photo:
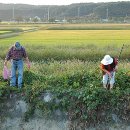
(55, 2)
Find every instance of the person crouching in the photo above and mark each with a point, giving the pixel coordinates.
(108, 67)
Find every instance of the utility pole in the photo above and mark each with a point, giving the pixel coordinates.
(13, 12)
(78, 11)
(48, 14)
(107, 14)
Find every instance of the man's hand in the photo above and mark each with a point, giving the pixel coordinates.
(28, 64)
(5, 63)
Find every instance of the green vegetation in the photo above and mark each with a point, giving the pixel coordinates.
(77, 85)
(90, 27)
(11, 29)
(71, 44)
(66, 63)
(3, 32)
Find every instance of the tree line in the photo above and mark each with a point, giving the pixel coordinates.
(109, 10)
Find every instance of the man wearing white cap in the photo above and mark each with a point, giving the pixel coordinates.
(108, 67)
(16, 54)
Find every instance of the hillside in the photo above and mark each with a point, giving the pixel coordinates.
(82, 10)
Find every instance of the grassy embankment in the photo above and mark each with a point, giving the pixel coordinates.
(66, 62)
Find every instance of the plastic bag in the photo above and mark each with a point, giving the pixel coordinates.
(6, 73)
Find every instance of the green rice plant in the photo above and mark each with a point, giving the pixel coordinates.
(90, 27)
(71, 44)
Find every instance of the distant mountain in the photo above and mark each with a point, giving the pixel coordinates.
(100, 10)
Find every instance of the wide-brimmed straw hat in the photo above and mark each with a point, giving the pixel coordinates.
(107, 60)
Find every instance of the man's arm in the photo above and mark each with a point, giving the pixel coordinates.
(8, 57)
(26, 58)
(5, 62)
(28, 62)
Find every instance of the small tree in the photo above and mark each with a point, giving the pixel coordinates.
(19, 19)
(52, 20)
(36, 19)
(27, 19)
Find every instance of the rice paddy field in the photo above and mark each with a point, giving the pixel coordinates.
(65, 60)
(61, 42)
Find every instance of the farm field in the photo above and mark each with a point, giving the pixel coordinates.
(65, 60)
(69, 44)
(1, 32)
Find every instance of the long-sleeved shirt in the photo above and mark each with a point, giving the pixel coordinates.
(16, 54)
